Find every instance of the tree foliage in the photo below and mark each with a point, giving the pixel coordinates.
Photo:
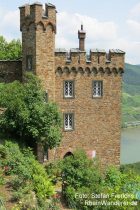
(85, 188)
(27, 115)
(81, 176)
(31, 186)
(10, 50)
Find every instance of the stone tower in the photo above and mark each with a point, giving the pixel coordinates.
(38, 43)
(87, 88)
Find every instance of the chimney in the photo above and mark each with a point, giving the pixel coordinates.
(81, 37)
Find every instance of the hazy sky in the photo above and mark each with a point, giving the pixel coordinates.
(108, 23)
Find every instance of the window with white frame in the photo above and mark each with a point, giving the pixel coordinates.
(68, 89)
(97, 88)
(68, 121)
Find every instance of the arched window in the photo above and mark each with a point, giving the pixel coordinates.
(108, 71)
(59, 71)
(66, 70)
(80, 70)
(94, 70)
(87, 70)
(68, 154)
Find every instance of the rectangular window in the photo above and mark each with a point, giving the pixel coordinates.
(68, 121)
(97, 88)
(29, 62)
(68, 89)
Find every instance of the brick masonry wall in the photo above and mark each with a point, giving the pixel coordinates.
(38, 40)
(97, 121)
(10, 71)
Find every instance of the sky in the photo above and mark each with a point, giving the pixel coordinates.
(109, 24)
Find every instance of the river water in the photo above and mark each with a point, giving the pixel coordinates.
(130, 145)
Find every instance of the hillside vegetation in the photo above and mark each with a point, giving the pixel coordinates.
(131, 94)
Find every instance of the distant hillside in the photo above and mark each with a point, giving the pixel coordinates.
(131, 93)
(131, 79)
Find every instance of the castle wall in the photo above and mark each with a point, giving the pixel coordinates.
(10, 71)
(97, 121)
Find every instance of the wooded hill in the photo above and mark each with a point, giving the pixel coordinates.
(131, 93)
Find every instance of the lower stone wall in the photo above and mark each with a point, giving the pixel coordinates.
(10, 70)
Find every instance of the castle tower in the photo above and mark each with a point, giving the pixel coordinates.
(87, 88)
(38, 29)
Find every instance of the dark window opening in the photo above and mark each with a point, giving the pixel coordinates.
(68, 154)
(29, 65)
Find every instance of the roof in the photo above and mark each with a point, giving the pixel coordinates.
(51, 5)
(60, 50)
(98, 50)
(117, 51)
(75, 50)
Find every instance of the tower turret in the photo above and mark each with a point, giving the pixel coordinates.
(81, 37)
(38, 29)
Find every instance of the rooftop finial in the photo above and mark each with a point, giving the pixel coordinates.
(82, 27)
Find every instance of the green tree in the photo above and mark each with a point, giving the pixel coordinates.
(10, 50)
(80, 176)
(83, 183)
(27, 115)
(3, 48)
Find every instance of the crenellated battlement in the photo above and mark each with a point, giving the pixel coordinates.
(96, 61)
(35, 14)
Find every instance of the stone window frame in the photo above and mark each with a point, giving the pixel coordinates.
(73, 91)
(101, 89)
(29, 57)
(73, 120)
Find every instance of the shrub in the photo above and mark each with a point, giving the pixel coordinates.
(16, 162)
(117, 182)
(82, 180)
(28, 201)
(80, 175)
(2, 151)
(2, 207)
(54, 170)
(29, 176)
(42, 186)
(20, 193)
(2, 180)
